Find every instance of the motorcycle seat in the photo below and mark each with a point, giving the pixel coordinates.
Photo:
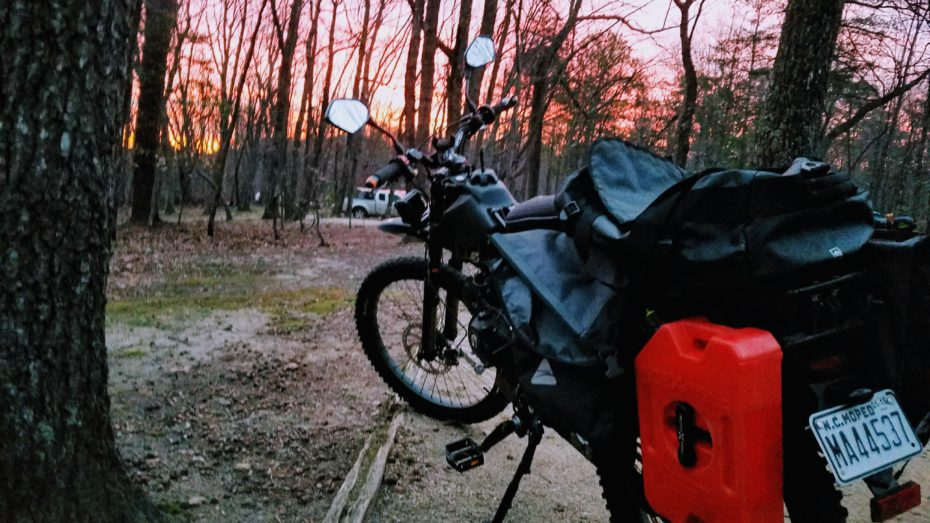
(536, 213)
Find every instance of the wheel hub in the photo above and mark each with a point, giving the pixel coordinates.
(411, 337)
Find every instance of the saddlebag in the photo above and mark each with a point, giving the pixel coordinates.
(899, 273)
(556, 306)
(568, 326)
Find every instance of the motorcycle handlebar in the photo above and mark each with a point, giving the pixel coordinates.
(505, 104)
(398, 165)
(386, 174)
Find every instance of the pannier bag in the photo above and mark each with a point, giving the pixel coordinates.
(899, 273)
(558, 309)
(568, 330)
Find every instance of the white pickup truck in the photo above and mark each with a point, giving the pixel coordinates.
(367, 202)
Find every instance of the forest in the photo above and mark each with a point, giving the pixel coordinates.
(174, 346)
(229, 94)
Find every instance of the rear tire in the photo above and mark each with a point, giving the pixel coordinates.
(622, 488)
(359, 212)
(392, 294)
(810, 493)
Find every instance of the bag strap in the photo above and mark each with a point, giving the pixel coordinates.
(651, 227)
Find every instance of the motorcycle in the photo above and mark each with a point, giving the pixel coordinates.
(455, 333)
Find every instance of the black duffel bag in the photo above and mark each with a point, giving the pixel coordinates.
(737, 228)
(715, 230)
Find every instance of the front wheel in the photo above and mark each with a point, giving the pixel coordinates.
(389, 314)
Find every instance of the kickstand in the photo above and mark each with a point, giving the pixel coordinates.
(535, 435)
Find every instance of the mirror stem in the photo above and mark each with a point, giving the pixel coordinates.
(398, 148)
(471, 104)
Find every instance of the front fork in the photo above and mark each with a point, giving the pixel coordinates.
(430, 347)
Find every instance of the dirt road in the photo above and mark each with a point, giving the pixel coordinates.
(240, 393)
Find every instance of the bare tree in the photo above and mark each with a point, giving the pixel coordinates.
(410, 72)
(456, 56)
(546, 69)
(428, 69)
(316, 158)
(287, 43)
(230, 105)
(689, 103)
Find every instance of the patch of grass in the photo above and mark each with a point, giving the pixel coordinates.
(288, 308)
(283, 322)
(134, 352)
(283, 306)
(156, 311)
(170, 507)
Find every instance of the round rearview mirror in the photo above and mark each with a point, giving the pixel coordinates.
(347, 114)
(480, 52)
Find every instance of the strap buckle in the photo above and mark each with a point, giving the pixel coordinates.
(570, 210)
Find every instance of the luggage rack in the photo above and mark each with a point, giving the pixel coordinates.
(823, 311)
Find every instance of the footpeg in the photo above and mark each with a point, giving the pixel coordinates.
(464, 454)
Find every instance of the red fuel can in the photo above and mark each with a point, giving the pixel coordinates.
(710, 423)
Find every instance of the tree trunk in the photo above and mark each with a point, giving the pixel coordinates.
(457, 64)
(488, 17)
(428, 70)
(60, 137)
(228, 124)
(688, 105)
(792, 114)
(537, 118)
(922, 181)
(327, 81)
(160, 19)
(352, 151)
(410, 74)
(279, 113)
(546, 72)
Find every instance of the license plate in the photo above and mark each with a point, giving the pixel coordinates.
(861, 440)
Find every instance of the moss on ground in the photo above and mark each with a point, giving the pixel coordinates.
(196, 296)
(133, 352)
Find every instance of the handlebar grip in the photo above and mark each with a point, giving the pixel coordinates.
(505, 104)
(385, 175)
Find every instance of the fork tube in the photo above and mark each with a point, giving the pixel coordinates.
(430, 302)
(434, 264)
(451, 325)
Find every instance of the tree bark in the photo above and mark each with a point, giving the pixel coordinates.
(160, 19)
(792, 113)
(64, 76)
(428, 69)
(410, 73)
(689, 104)
(457, 64)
